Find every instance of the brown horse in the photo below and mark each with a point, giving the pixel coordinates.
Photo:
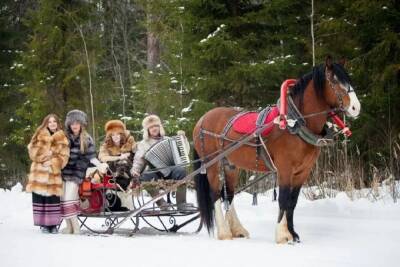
(316, 94)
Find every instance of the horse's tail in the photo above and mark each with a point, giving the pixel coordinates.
(204, 200)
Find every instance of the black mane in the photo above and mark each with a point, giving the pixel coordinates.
(317, 75)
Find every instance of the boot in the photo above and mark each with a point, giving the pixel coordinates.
(161, 202)
(68, 229)
(45, 229)
(181, 195)
(53, 229)
(76, 229)
(181, 199)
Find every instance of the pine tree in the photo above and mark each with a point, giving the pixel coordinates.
(55, 61)
(12, 37)
(367, 34)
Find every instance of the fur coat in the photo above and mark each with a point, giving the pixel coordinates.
(78, 162)
(112, 153)
(42, 180)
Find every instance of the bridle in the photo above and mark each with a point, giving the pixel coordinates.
(333, 83)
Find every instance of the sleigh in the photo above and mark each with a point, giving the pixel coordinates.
(102, 214)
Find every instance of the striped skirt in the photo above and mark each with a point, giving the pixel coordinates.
(46, 210)
(70, 200)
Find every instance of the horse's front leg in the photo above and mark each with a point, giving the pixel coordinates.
(287, 203)
(294, 195)
(282, 234)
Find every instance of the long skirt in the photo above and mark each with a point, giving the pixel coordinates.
(46, 210)
(70, 200)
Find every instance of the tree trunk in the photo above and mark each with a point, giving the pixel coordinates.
(153, 59)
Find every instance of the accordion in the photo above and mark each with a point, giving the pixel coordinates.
(168, 152)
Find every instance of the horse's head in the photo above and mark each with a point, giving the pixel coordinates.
(338, 91)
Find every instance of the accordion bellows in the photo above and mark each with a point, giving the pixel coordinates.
(168, 152)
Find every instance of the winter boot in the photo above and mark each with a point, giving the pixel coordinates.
(45, 229)
(161, 202)
(68, 229)
(53, 229)
(181, 199)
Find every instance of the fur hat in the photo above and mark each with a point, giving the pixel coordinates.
(76, 115)
(150, 121)
(114, 126)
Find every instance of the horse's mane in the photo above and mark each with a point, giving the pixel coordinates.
(317, 75)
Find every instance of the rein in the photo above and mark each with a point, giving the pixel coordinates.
(228, 149)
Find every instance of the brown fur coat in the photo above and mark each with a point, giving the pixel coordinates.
(47, 181)
(111, 153)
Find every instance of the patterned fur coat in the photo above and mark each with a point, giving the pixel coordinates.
(42, 180)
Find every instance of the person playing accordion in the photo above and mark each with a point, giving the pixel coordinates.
(153, 135)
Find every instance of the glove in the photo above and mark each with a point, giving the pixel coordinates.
(102, 167)
(134, 173)
(124, 156)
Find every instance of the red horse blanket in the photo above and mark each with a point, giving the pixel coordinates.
(246, 123)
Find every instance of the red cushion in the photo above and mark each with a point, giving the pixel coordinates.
(246, 123)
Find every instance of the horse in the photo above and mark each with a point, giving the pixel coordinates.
(325, 89)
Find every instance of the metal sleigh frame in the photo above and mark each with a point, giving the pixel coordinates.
(166, 219)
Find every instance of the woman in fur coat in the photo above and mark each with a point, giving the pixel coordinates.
(49, 152)
(118, 150)
(118, 144)
(82, 153)
(118, 147)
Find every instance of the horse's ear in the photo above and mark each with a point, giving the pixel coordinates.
(342, 61)
(328, 62)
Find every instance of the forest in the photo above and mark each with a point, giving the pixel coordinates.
(179, 58)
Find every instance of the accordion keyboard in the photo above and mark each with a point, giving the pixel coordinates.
(181, 155)
(168, 152)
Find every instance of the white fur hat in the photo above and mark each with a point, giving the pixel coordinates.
(150, 121)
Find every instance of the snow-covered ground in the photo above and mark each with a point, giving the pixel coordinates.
(334, 232)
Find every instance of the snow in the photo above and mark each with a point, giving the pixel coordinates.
(188, 108)
(334, 232)
(213, 34)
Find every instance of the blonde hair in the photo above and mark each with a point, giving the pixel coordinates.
(44, 125)
(83, 137)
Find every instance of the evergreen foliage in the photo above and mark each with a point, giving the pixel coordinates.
(211, 53)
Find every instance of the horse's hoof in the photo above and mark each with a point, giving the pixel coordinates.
(296, 237)
(243, 233)
(225, 236)
(282, 235)
(284, 240)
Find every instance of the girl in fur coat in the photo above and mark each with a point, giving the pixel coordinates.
(82, 153)
(49, 152)
(118, 150)
(118, 144)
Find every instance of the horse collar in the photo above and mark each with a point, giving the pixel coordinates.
(298, 127)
